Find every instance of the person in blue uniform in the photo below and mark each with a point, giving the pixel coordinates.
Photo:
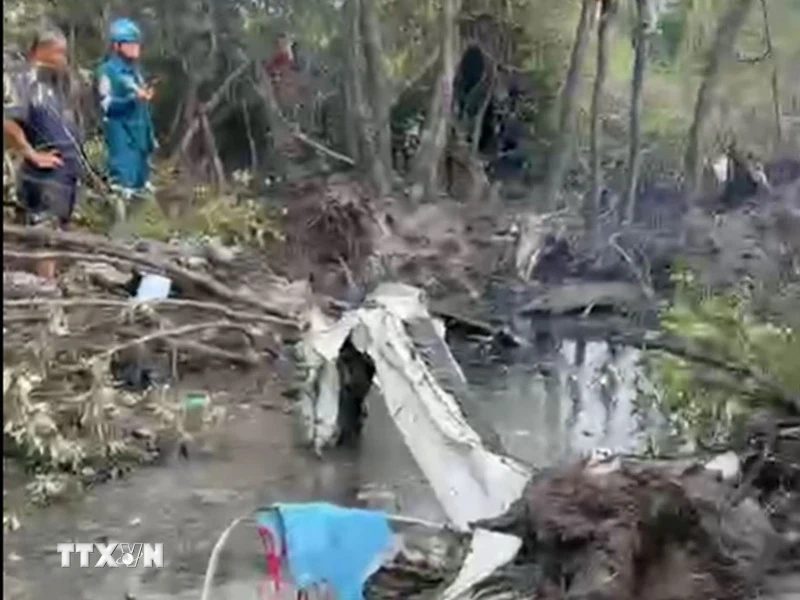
(125, 102)
(39, 124)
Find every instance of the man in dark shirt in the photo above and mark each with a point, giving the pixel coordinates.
(39, 125)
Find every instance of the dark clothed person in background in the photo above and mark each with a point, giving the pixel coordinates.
(39, 125)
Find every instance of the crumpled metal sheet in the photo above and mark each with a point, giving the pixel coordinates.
(470, 481)
(488, 551)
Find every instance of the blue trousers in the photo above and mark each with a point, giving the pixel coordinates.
(128, 164)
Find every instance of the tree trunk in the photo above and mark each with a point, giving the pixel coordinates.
(277, 125)
(370, 160)
(434, 138)
(250, 139)
(351, 141)
(477, 126)
(186, 120)
(569, 98)
(176, 122)
(776, 98)
(641, 41)
(380, 99)
(592, 201)
(728, 28)
(213, 152)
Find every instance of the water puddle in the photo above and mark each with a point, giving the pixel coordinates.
(552, 405)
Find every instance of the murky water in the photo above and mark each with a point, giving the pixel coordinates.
(552, 405)
(542, 418)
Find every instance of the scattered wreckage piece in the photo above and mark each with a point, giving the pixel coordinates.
(605, 527)
(421, 383)
(421, 387)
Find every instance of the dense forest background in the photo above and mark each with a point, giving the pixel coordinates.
(369, 74)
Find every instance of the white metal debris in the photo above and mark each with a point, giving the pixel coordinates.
(488, 551)
(470, 482)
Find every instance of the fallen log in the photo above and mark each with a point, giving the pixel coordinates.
(470, 327)
(175, 303)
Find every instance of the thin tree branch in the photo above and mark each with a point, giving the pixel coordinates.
(208, 107)
(120, 255)
(167, 333)
(411, 82)
(122, 304)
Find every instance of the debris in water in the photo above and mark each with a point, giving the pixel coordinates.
(393, 339)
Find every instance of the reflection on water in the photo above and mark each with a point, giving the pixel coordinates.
(559, 401)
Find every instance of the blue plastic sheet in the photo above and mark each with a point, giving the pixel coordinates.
(328, 544)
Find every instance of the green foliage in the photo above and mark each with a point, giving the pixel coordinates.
(57, 444)
(93, 213)
(751, 360)
(232, 221)
(67, 440)
(147, 220)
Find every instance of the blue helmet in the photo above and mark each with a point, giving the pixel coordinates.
(124, 30)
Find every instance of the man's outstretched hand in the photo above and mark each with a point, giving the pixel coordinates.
(44, 160)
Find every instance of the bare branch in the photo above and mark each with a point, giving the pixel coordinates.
(165, 302)
(208, 107)
(167, 333)
(99, 249)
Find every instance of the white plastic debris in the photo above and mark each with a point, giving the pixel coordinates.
(153, 287)
(727, 465)
(721, 167)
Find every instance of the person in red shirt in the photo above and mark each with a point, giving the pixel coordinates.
(282, 60)
(282, 74)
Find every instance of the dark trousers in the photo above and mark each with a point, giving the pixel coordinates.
(48, 198)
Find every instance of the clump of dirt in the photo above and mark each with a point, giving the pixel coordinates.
(327, 222)
(637, 530)
(344, 238)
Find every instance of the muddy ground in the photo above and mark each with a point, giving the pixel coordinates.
(185, 504)
(255, 460)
